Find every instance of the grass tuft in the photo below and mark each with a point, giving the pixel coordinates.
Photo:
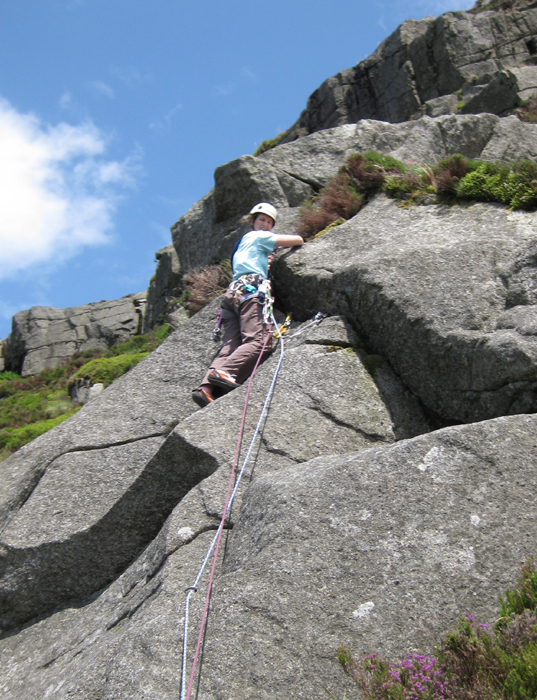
(270, 143)
(346, 193)
(455, 177)
(104, 370)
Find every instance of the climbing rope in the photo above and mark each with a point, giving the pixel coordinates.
(215, 544)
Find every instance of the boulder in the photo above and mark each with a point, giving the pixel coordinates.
(128, 471)
(81, 501)
(423, 61)
(507, 90)
(83, 391)
(220, 217)
(434, 290)
(381, 550)
(165, 287)
(44, 337)
(241, 184)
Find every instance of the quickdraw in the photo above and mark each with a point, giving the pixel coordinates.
(282, 330)
(317, 319)
(217, 331)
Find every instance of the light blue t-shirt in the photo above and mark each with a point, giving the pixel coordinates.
(251, 257)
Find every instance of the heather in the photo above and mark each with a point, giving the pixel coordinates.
(205, 284)
(453, 179)
(30, 406)
(472, 662)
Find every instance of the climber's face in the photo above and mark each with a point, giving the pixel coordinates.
(263, 222)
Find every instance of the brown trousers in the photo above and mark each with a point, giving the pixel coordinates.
(244, 335)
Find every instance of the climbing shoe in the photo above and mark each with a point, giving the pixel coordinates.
(202, 398)
(222, 379)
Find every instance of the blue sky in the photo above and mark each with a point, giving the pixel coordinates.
(114, 115)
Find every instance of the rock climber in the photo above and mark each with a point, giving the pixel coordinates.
(246, 307)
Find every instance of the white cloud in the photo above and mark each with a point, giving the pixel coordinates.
(58, 193)
(248, 74)
(101, 88)
(223, 90)
(66, 100)
(130, 75)
(166, 121)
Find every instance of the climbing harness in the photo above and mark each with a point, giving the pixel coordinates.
(233, 487)
(250, 286)
(230, 496)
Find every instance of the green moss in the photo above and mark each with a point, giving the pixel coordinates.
(514, 186)
(335, 223)
(372, 363)
(387, 163)
(270, 143)
(106, 369)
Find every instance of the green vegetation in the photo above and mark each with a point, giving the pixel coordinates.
(104, 370)
(270, 143)
(343, 197)
(473, 662)
(454, 178)
(13, 438)
(335, 223)
(31, 406)
(460, 101)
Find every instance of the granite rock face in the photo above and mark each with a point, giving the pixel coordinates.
(61, 541)
(446, 294)
(129, 470)
(164, 289)
(44, 337)
(291, 173)
(431, 66)
(416, 531)
(380, 549)
(392, 484)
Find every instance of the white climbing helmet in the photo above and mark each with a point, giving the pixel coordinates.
(265, 208)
